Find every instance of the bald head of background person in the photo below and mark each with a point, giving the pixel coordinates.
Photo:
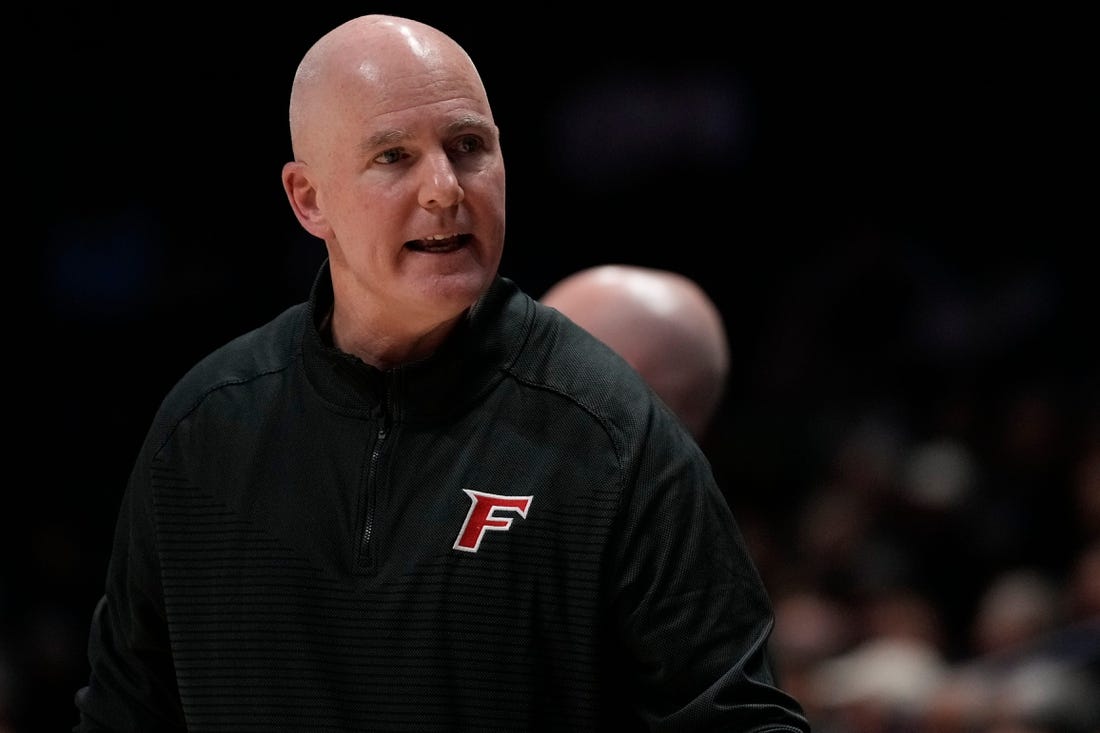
(662, 323)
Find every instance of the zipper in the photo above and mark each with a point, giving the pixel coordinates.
(365, 555)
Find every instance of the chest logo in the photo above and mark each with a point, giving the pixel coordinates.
(485, 514)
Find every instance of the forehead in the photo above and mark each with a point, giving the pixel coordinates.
(436, 96)
(404, 74)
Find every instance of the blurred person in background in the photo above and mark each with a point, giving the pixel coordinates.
(663, 323)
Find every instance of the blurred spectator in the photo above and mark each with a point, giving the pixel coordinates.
(882, 685)
(663, 324)
(1045, 696)
(1020, 607)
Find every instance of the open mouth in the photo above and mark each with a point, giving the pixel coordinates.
(440, 243)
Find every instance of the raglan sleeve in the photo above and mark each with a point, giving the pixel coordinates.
(692, 613)
(132, 683)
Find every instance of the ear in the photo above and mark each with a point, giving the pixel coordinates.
(302, 195)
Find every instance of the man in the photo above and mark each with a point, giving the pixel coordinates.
(664, 325)
(421, 501)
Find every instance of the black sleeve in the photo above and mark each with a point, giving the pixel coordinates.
(691, 608)
(132, 685)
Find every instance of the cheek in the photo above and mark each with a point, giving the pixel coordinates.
(488, 189)
(369, 213)
(361, 232)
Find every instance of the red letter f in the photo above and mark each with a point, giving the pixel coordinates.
(482, 516)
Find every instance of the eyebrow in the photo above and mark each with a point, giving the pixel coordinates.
(465, 123)
(384, 138)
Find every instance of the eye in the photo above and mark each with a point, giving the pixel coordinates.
(391, 156)
(468, 144)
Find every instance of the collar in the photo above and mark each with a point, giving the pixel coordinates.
(468, 364)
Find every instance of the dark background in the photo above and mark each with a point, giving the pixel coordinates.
(889, 210)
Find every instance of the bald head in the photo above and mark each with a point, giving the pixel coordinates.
(371, 51)
(398, 169)
(660, 322)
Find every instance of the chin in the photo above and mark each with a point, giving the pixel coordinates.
(458, 289)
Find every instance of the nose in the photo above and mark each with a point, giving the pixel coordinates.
(439, 187)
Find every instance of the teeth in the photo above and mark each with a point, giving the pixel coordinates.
(440, 237)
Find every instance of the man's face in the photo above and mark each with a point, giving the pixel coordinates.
(410, 178)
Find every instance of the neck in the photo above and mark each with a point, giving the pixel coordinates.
(387, 347)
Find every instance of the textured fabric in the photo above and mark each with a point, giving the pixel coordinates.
(513, 535)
